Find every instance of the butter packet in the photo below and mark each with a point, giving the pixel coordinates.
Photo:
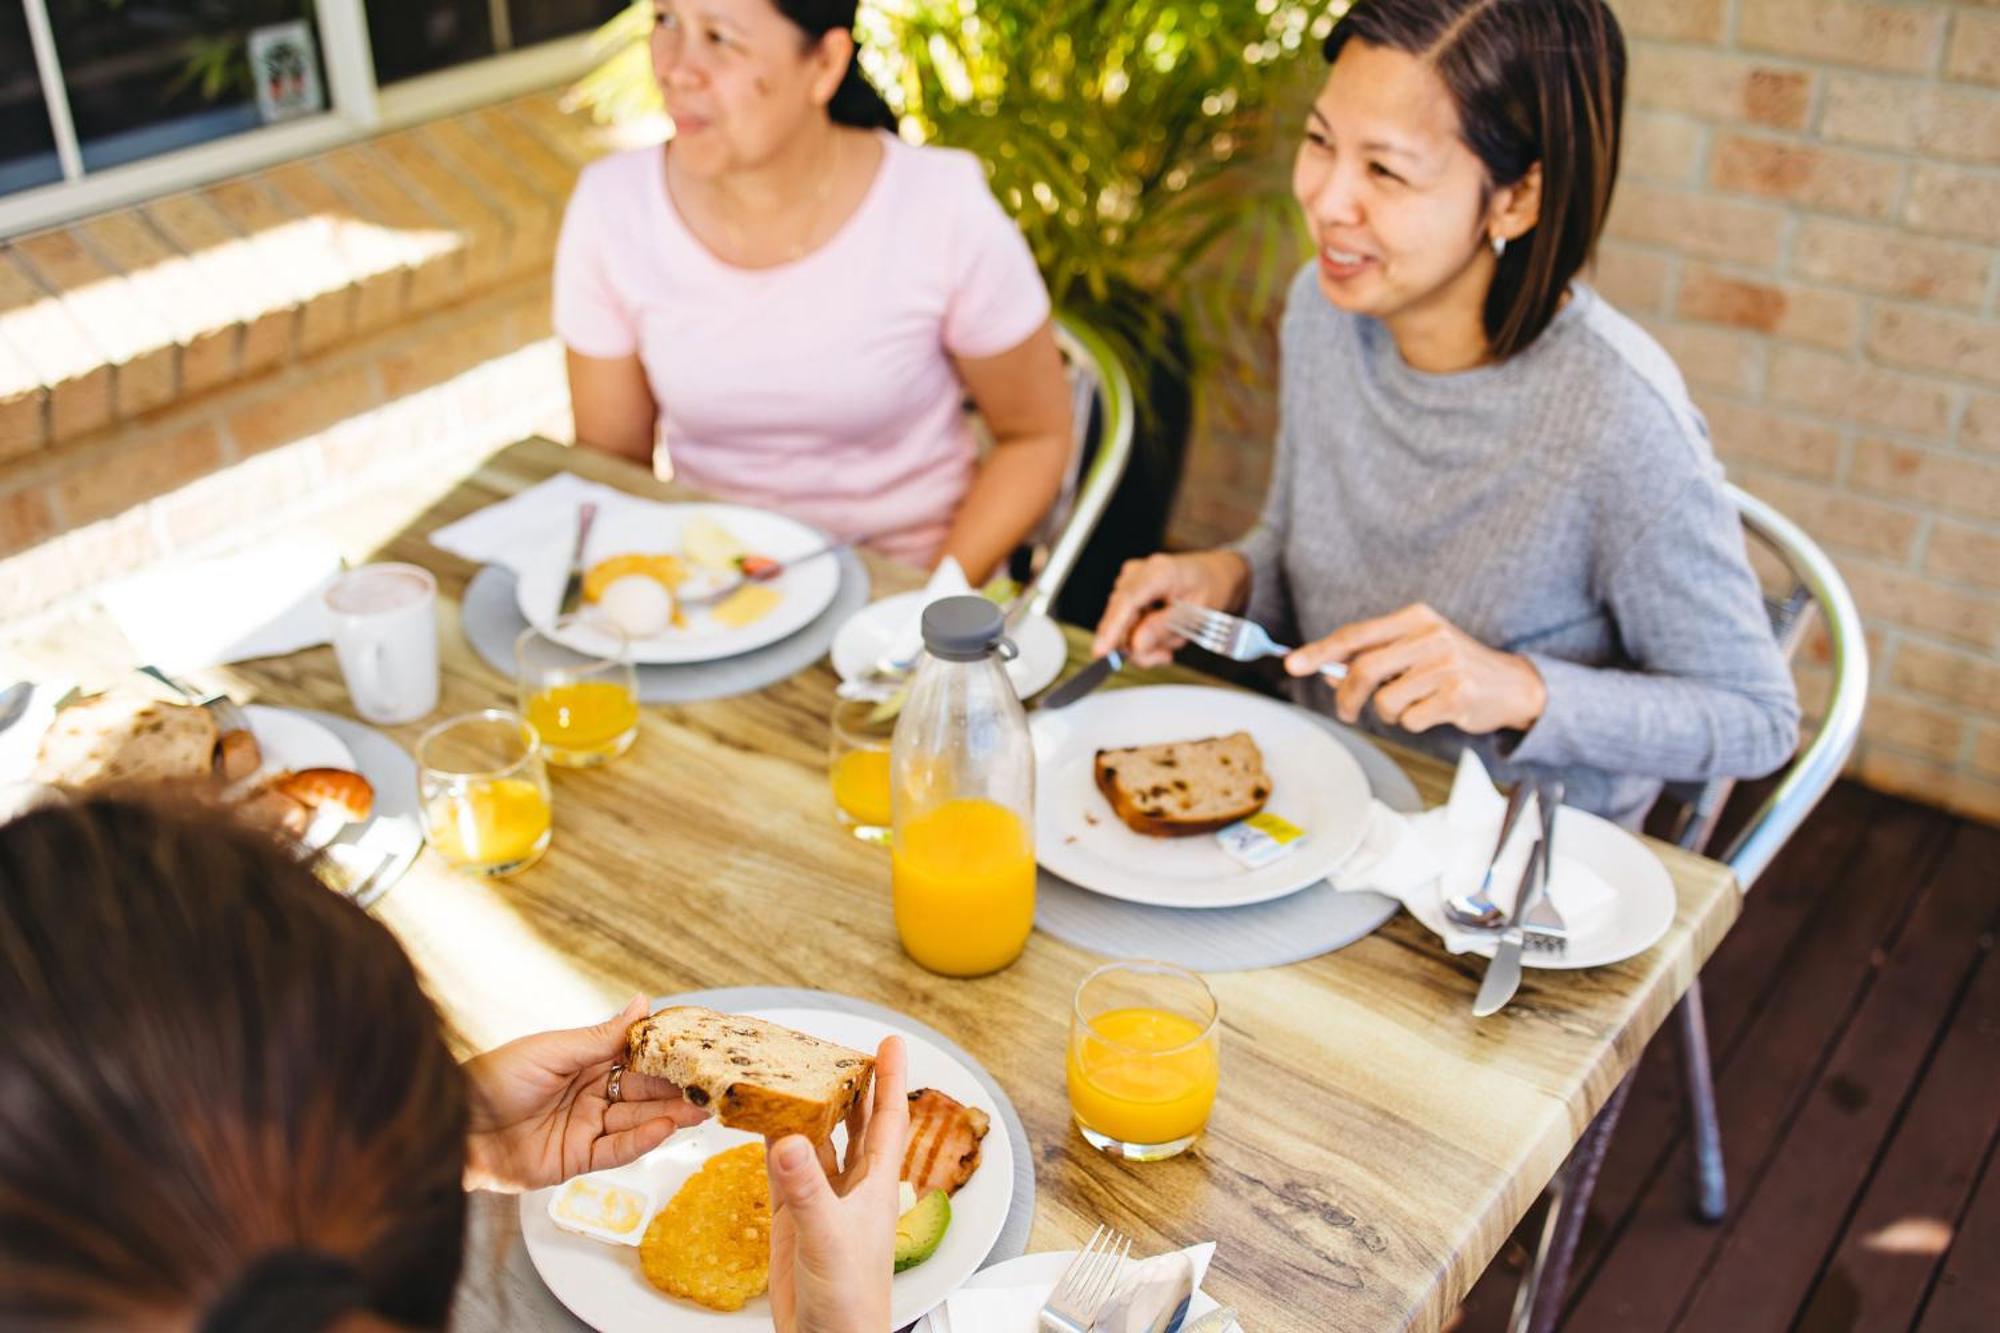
(1259, 840)
(604, 1208)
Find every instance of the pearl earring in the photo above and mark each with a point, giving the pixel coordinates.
(1499, 246)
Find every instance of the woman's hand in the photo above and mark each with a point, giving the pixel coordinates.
(540, 1112)
(1135, 617)
(833, 1233)
(1422, 672)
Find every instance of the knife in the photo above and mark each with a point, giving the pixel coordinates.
(1084, 681)
(1503, 974)
(1219, 1320)
(572, 593)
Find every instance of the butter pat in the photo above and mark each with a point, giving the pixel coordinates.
(1260, 839)
(605, 1209)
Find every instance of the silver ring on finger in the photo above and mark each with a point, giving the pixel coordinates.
(611, 1083)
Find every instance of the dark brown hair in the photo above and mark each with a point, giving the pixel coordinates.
(855, 102)
(1533, 81)
(223, 1096)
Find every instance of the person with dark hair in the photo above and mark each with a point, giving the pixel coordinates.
(788, 306)
(1493, 502)
(225, 1104)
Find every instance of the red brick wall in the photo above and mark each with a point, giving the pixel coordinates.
(1809, 221)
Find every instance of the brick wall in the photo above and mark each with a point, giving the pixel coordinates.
(1809, 221)
(222, 364)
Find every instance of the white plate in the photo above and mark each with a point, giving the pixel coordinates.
(1044, 1270)
(1643, 896)
(1315, 784)
(290, 743)
(633, 525)
(602, 1283)
(871, 632)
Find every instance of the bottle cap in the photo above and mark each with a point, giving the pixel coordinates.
(961, 629)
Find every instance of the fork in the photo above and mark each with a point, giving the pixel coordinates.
(1544, 924)
(1086, 1283)
(1233, 637)
(228, 717)
(763, 571)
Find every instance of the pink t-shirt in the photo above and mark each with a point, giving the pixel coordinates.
(822, 387)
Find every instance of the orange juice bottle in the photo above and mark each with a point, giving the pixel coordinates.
(962, 794)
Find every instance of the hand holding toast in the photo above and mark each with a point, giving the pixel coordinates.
(833, 1233)
(540, 1113)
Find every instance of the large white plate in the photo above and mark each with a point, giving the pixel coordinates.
(602, 1284)
(634, 525)
(1643, 896)
(1043, 1271)
(291, 742)
(873, 630)
(1315, 783)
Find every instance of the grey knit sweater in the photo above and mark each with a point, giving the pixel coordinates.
(1564, 504)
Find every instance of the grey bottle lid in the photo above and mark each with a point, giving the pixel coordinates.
(961, 629)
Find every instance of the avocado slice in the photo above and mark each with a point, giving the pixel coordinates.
(919, 1231)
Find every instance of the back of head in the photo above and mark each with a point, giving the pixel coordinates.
(224, 1102)
(1536, 83)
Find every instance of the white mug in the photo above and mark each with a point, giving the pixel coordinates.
(385, 635)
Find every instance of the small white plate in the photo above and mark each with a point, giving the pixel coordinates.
(290, 743)
(603, 1285)
(872, 631)
(1315, 784)
(631, 525)
(1643, 896)
(1043, 1271)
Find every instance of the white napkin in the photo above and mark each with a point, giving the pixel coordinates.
(948, 581)
(523, 528)
(1420, 860)
(262, 602)
(1015, 1309)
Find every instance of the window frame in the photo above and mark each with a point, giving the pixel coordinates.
(357, 107)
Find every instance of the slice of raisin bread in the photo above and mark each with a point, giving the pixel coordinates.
(1183, 788)
(750, 1073)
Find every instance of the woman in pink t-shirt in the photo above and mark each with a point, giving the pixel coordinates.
(788, 305)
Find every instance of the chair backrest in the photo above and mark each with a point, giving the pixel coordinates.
(1102, 408)
(1816, 589)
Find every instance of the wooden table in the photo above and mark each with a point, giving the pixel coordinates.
(1373, 1144)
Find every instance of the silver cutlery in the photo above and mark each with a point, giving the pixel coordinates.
(1233, 637)
(14, 702)
(1544, 924)
(228, 717)
(572, 592)
(1086, 1284)
(1503, 974)
(763, 572)
(1219, 1320)
(1084, 681)
(1477, 910)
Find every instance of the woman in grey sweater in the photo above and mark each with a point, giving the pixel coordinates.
(1493, 500)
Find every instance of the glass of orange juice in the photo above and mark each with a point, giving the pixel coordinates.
(1144, 1055)
(858, 768)
(485, 793)
(585, 706)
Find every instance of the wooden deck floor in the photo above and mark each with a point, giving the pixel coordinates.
(1854, 1013)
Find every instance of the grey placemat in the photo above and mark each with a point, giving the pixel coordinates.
(389, 841)
(493, 620)
(1302, 925)
(510, 1295)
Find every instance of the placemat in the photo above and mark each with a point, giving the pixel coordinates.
(493, 620)
(1305, 924)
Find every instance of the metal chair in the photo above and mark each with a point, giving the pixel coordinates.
(1816, 589)
(1103, 410)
